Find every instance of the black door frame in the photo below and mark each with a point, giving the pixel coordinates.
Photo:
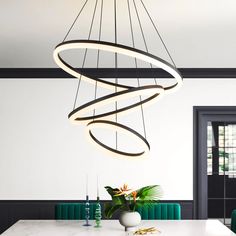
(201, 115)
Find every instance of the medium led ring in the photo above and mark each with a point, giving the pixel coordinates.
(115, 48)
(79, 114)
(119, 128)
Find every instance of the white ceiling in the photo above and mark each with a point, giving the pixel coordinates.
(198, 33)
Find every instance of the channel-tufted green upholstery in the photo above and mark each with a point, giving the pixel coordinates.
(233, 221)
(162, 211)
(73, 211)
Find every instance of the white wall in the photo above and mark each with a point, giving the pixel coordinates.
(43, 156)
(197, 33)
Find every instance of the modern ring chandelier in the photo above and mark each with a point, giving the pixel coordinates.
(119, 89)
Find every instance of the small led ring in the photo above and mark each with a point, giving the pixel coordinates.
(118, 128)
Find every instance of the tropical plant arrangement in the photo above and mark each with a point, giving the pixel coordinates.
(126, 199)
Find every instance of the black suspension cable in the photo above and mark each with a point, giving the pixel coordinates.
(90, 31)
(158, 34)
(85, 54)
(77, 91)
(115, 22)
(95, 96)
(76, 18)
(141, 28)
(133, 42)
(131, 29)
(140, 25)
(116, 80)
(98, 54)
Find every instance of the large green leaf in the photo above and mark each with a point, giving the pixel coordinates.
(117, 200)
(110, 209)
(111, 191)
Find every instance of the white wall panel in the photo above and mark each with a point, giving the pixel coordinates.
(43, 156)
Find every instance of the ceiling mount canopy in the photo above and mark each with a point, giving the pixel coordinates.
(99, 16)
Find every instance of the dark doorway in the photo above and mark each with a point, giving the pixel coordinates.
(221, 169)
(214, 130)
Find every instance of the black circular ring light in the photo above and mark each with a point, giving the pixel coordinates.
(115, 48)
(105, 124)
(155, 91)
(123, 91)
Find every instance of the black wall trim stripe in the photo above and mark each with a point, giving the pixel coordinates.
(13, 210)
(187, 73)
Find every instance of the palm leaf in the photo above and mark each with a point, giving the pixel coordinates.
(149, 193)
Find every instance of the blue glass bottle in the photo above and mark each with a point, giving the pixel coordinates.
(87, 212)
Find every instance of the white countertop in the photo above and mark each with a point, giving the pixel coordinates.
(113, 228)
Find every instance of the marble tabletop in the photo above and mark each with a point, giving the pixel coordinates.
(113, 228)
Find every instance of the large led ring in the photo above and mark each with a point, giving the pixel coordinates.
(115, 48)
(118, 128)
(153, 91)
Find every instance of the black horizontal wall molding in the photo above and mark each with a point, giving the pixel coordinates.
(57, 73)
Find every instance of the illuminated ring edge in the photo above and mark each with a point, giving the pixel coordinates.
(126, 129)
(112, 47)
(73, 116)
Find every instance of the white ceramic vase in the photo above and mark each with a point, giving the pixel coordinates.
(130, 219)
